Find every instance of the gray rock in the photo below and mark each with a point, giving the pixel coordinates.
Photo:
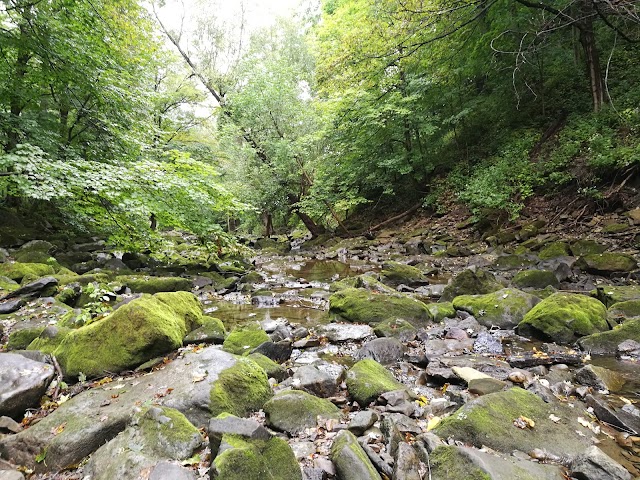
(303, 450)
(599, 378)
(9, 424)
(407, 463)
(279, 352)
(22, 383)
(350, 460)
(362, 421)
(11, 475)
(315, 381)
(233, 425)
(594, 464)
(10, 306)
(170, 471)
(398, 401)
(618, 418)
(33, 288)
(384, 350)
(343, 332)
(293, 411)
(487, 343)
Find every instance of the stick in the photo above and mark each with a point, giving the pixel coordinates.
(56, 365)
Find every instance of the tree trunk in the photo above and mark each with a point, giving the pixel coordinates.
(592, 57)
(268, 224)
(16, 102)
(312, 226)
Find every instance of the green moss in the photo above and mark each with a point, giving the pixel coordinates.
(271, 368)
(606, 343)
(49, 339)
(362, 306)
(616, 228)
(397, 328)
(351, 461)
(368, 282)
(293, 411)
(270, 459)
(564, 317)
(163, 437)
(367, 380)
(395, 273)
(621, 311)
(240, 389)
(212, 330)
(7, 285)
(20, 339)
(470, 282)
(607, 263)
(441, 310)
(136, 332)
(586, 247)
(244, 339)
(448, 462)
(535, 279)
(152, 285)
(17, 271)
(504, 308)
(554, 250)
(610, 294)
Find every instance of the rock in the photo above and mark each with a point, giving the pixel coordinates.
(621, 311)
(564, 317)
(136, 332)
(607, 263)
(156, 433)
(470, 282)
(340, 332)
(362, 421)
(554, 250)
(615, 228)
(317, 382)
(383, 350)
(350, 460)
(7, 285)
(395, 273)
(581, 248)
(22, 383)
(279, 352)
(243, 340)
(10, 425)
(619, 418)
(606, 343)
(49, 339)
(271, 368)
(148, 284)
(367, 379)
(361, 306)
(366, 281)
(407, 464)
(478, 382)
(226, 424)
(170, 471)
(17, 271)
(11, 475)
(34, 288)
(594, 464)
(610, 295)
(397, 328)
(599, 378)
(10, 306)
(629, 349)
(398, 401)
(441, 310)
(293, 411)
(485, 342)
(211, 331)
(535, 279)
(503, 308)
(512, 262)
(489, 420)
(449, 462)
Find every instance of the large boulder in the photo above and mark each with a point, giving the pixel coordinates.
(243, 340)
(606, 343)
(395, 273)
(565, 317)
(135, 333)
(362, 306)
(554, 250)
(367, 380)
(17, 271)
(470, 282)
(535, 279)
(587, 247)
(293, 411)
(503, 308)
(607, 263)
(148, 284)
(22, 383)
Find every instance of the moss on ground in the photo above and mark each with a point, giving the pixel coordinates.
(20, 339)
(441, 310)
(606, 343)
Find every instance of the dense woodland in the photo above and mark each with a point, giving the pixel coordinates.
(352, 108)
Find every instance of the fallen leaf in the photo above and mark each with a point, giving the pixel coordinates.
(523, 422)
(59, 429)
(554, 419)
(433, 423)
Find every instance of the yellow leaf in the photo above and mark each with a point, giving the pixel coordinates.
(433, 423)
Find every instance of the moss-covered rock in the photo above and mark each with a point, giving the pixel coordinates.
(367, 380)
(293, 411)
(152, 285)
(587, 247)
(273, 246)
(272, 369)
(211, 331)
(49, 339)
(504, 308)
(554, 250)
(512, 262)
(366, 281)
(441, 310)
(606, 343)
(470, 282)
(20, 339)
(362, 306)
(535, 279)
(616, 228)
(240, 389)
(565, 317)
(610, 294)
(489, 420)
(395, 273)
(622, 311)
(246, 459)
(242, 340)
(606, 263)
(136, 332)
(398, 328)
(18, 271)
(351, 461)
(7, 285)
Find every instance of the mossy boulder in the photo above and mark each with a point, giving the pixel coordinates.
(18, 271)
(362, 306)
(607, 263)
(272, 369)
(49, 339)
(272, 245)
(606, 343)
(247, 459)
(554, 250)
(7, 285)
(240, 389)
(622, 311)
(395, 273)
(587, 247)
(242, 340)
(398, 328)
(136, 332)
(368, 379)
(351, 461)
(512, 262)
(565, 317)
(211, 331)
(147, 284)
(293, 411)
(489, 420)
(470, 282)
(20, 339)
(504, 308)
(441, 310)
(616, 228)
(611, 294)
(366, 281)
(535, 279)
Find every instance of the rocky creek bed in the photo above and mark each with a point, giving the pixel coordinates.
(420, 355)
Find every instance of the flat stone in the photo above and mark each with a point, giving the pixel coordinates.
(484, 386)
(618, 418)
(594, 464)
(342, 332)
(8, 423)
(22, 383)
(600, 378)
(407, 463)
(315, 381)
(384, 350)
(362, 421)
